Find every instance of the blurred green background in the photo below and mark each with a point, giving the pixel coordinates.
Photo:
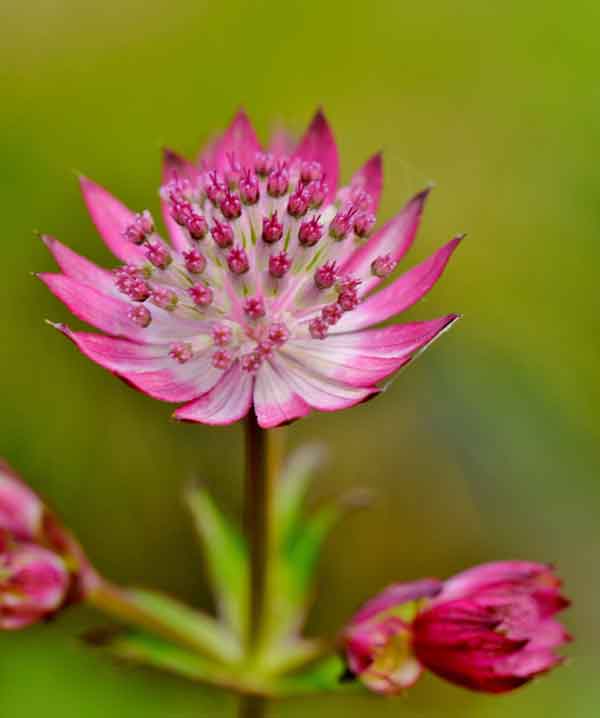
(487, 448)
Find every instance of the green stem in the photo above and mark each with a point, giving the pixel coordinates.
(262, 467)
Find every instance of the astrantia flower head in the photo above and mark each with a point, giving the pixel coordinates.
(265, 296)
(491, 628)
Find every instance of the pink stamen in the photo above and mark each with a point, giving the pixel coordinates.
(310, 232)
(195, 224)
(222, 233)
(318, 191)
(141, 228)
(272, 230)
(279, 264)
(364, 223)
(383, 265)
(264, 163)
(129, 281)
(311, 171)
(326, 275)
(279, 180)
(165, 298)
(254, 307)
(215, 188)
(201, 294)
(348, 299)
(237, 260)
(249, 188)
(298, 203)
(342, 223)
(265, 348)
(221, 335)
(222, 359)
(140, 315)
(251, 362)
(158, 255)
(278, 333)
(230, 205)
(234, 173)
(317, 328)
(195, 262)
(331, 314)
(181, 352)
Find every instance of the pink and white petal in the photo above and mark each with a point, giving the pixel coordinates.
(111, 218)
(274, 401)
(118, 355)
(400, 295)
(394, 238)
(360, 360)
(239, 140)
(177, 383)
(392, 342)
(111, 313)
(148, 367)
(317, 390)
(370, 179)
(318, 145)
(225, 403)
(80, 268)
(175, 166)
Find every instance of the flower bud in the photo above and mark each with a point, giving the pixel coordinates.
(34, 583)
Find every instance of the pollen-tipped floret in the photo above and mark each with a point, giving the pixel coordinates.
(266, 288)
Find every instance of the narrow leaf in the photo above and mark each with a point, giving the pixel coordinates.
(226, 558)
(198, 629)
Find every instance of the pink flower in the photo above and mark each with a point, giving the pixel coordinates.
(34, 583)
(490, 629)
(41, 565)
(279, 226)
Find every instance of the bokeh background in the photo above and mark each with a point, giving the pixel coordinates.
(486, 448)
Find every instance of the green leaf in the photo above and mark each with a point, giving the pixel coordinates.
(293, 487)
(196, 629)
(226, 558)
(158, 653)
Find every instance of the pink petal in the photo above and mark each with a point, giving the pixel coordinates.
(110, 313)
(274, 401)
(226, 403)
(148, 368)
(370, 178)
(111, 219)
(401, 294)
(318, 144)
(367, 357)
(489, 575)
(315, 389)
(394, 238)
(396, 595)
(239, 140)
(79, 268)
(175, 166)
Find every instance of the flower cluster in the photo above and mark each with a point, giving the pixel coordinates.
(265, 295)
(41, 567)
(491, 628)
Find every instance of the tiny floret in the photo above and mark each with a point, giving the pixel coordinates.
(181, 351)
(202, 295)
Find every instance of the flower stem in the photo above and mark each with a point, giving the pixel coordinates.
(262, 467)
